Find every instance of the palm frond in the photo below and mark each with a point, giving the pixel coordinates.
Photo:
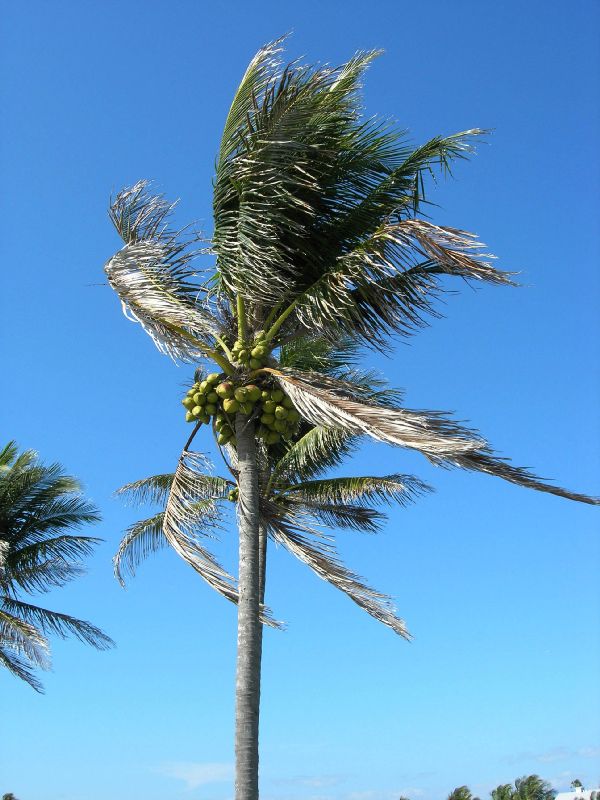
(402, 190)
(362, 490)
(57, 623)
(485, 460)
(382, 286)
(324, 401)
(140, 540)
(256, 79)
(187, 520)
(319, 449)
(42, 550)
(320, 355)
(334, 515)
(300, 144)
(156, 488)
(154, 276)
(22, 647)
(8, 454)
(322, 558)
(21, 668)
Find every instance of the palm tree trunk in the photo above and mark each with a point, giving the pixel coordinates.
(249, 644)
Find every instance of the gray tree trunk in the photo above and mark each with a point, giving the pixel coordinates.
(249, 643)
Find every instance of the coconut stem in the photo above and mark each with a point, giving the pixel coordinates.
(224, 347)
(241, 318)
(279, 321)
(221, 361)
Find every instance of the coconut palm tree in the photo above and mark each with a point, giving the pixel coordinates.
(39, 505)
(319, 235)
(461, 793)
(532, 787)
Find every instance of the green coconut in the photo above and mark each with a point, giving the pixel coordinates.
(253, 392)
(267, 419)
(210, 409)
(225, 389)
(212, 397)
(277, 395)
(281, 412)
(231, 405)
(189, 417)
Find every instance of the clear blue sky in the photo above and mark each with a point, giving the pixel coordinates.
(499, 586)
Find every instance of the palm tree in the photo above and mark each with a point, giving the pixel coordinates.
(461, 793)
(532, 787)
(318, 235)
(39, 505)
(503, 792)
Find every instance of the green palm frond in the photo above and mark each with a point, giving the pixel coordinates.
(303, 154)
(8, 454)
(380, 288)
(319, 449)
(22, 667)
(362, 490)
(320, 355)
(23, 648)
(334, 515)
(253, 85)
(54, 622)
(39, 506)
(402, 190)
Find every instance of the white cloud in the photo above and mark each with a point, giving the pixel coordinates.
(195, 775)
(589, 752)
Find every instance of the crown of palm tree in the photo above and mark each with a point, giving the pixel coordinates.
(39, 505)
(318, 234)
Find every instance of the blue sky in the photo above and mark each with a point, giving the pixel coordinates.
(499, 586)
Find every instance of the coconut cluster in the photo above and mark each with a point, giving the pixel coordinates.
(220, 399)
(234, 495)
(253, 355)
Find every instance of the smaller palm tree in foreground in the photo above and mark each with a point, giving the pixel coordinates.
(39, 506)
